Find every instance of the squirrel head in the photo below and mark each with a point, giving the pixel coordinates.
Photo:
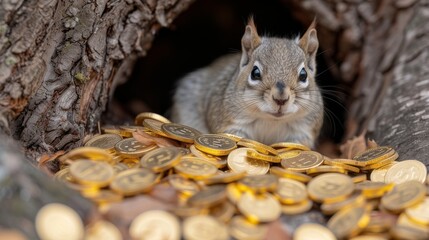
(277, 76)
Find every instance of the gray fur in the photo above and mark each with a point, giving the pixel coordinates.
(218, 98)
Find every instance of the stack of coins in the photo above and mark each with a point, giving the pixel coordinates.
(231, 187)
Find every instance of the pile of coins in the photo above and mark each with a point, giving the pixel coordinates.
(231, 187)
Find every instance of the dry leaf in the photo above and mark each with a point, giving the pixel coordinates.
(276, 231)
(46, 158)
(354, 146)
(371, 143)
(143, 138)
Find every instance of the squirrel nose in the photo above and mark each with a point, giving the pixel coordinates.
(280, 101)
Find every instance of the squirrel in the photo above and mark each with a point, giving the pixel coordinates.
(266, 93)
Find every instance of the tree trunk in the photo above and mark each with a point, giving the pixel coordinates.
(61, 60)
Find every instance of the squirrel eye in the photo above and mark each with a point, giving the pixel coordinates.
(302, 75)
(256, 73)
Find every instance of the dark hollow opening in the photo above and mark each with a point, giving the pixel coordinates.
(207, 30)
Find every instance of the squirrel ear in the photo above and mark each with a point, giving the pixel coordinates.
(249, 41)
(309, 43)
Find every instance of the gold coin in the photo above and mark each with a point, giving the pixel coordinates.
(155, 224)
(404, 195)
(58, 221)
(239, 162)
(223, 212)
(370, 237)
(234, 137)
(63, 175)
(359, 178)
(161, 159)
(131, 162)
(233, 193)
(180, 132)
(154, 126)
(406, 171)
(187, 211)
(312, 231)
(297, 208)
(240, 228)
(120, 167)
(355, 200)
(217, 161)
(224, 178)
(288, 153)
(330, 187)
(204, 227)
(130, 147)
(133, 181)
(258, 183)
(102, 230)
(374, 155)
(260, 147)
(342, 165)
(263, 157)
(350, 162)
(284, 173)
(405, 221)
(290, 191)
(195, 168)
(377, 175)
(290, 145)
(380, 222)
(305, 160)
(373, 189)
(325, 169)
(148, 115)
(104, 141)
(381, 163)
(408, 233)
(183, 185)
(92, 173)
(348, 222)
(214, 144)
(263, 208)
(116, 130)
(104, 196)
(91, 153)
(419, 213)
(208, 197)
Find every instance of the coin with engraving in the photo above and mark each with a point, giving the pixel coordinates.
(239, 162)
(305, 160)
(154, 126)
(208, 197)
(297, 208)
(195, 168)
(311, 231)
(104, 196)
(155, 224)
(260, 147)
(373, 189)
(58, 221)
(374, 155)
(63, 175)
(286, 153)
(130, 147)
(223, 211)
(290, 145)
(348, 222)
(104, 141)
(284, 173)
(214, 144)
(180, 132)
(264, 157)
(149, 115)
(102, 230)
(406, 171)
(420, 212)
(217, 161)
(404, 195)
(330, 187)
(93, 173)
(404, 221)
(258, 183)
(261, 208)
(378, 175)
(133, 181)
(204, 227)
(183, 185)
(242, 229)
(161, 159)
(290, 191)
(381, 163)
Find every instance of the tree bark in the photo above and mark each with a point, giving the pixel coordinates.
(60, 61)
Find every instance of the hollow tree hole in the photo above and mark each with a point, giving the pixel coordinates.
(206, 31)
